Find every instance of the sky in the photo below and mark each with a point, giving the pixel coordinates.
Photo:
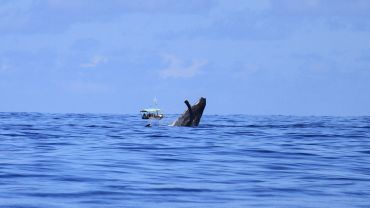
(256, 57)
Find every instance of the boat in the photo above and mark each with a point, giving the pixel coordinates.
(151, 113)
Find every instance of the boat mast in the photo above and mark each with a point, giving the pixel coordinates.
(156, 104)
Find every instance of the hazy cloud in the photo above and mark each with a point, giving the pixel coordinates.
(178, 69)
(28, 61)
(85, 44)
(55, 16)
(4, 67)
(86, 87)
(277, 20)
(94, 62)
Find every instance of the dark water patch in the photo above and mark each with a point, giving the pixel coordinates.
(57, 195)
(23, 175)
(173, 160)
(11, 135)
(157, 136)
(20, 206)
(176, 189)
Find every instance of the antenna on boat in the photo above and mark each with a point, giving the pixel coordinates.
(155, 102)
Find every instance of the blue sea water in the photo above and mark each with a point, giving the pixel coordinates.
(88, 160)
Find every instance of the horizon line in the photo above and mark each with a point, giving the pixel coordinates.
(205, 114)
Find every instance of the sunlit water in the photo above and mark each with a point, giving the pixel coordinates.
(87, 160)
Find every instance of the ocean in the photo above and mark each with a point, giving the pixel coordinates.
(101, 160)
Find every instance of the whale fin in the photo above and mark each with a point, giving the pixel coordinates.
(192, 116)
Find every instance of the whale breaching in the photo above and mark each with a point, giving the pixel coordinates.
(192, 116)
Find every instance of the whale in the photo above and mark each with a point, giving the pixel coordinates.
(191, 117)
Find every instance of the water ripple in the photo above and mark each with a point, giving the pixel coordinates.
(88, 160)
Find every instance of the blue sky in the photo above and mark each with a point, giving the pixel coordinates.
(307, 57)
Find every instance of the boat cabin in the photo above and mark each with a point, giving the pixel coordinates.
(151, 113)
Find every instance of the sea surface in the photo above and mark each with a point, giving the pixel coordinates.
(98, 160)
